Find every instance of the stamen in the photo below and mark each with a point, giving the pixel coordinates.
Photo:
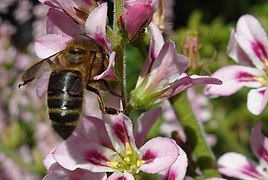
(128, 149)
(262, 80)
(140, 162)
(112, 164)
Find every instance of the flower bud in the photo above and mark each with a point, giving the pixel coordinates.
(135, 18)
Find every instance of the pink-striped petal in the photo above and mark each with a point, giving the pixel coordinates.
(121, 176)
(90, 128)
(156, 157)
(56, 172)
(259, 143)
(144, 124)
(178, 168)
(95, 25)
(236, 53)
(238, 166)
(233, 78)
(73, 9)
(50, 44)
(120, 131)
(59, 23)
(186, 82)
(252, 38)
(77, 152)
(156, 44)
(157, 41)
(257, 100)
(167, 67)
(51, 3)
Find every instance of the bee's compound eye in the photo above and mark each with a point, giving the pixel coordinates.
(77, 51)
(93, 53)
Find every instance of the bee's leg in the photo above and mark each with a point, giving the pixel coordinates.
(104, 109)
(108, 87)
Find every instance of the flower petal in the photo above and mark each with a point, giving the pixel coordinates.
(50, 44)
(257, 100)
(59, 23)
(157, 41)
(156, 157)
(90, 128)
(51, 3)
(77, 152)
(56, 172)
(167, 67)
(233, 78)
(144, 124)
(238, 166)
(96, 23)
(236, 53)
(109, 73)
(77, 10)
(120, 131)
(259, 143)
(188, 81)
(156, 44)
(121, 176)
(49, 160)
(252, 38)
(177, 170)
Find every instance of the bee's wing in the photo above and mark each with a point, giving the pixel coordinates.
(36, 70)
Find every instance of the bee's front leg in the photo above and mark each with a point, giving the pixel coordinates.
(103, 108)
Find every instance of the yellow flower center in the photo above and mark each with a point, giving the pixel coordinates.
(130, 161)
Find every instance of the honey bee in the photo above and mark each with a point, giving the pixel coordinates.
(72, 71)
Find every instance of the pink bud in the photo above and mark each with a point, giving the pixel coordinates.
(135, 18)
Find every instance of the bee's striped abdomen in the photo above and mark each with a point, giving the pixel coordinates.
(65, 101)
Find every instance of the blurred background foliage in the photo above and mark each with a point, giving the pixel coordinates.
(22, 113)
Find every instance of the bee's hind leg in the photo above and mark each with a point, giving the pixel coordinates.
(103, 108)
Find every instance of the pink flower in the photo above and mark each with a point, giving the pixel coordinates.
(137, 15)
(76, 9)
(114, 149)
(61, 29)
(238, 166)
(248, 46)
(163, 74)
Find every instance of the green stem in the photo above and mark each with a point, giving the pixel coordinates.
(119, 44)
(118, 9)
(202, 153)
(17, 159)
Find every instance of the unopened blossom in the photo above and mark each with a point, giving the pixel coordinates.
(114, 149)
(136, 16)
(236, 165)
(163, 74)
(248, 46)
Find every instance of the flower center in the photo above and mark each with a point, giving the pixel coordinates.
(130, 161)
(263, 79)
